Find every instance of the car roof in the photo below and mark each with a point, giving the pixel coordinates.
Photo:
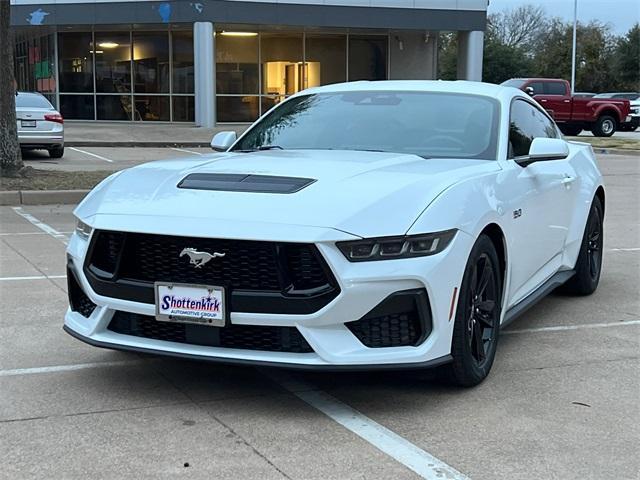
(543, 79)
(439, 86)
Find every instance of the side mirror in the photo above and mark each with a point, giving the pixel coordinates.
(221, 141)
(544, 149)
(530, 91)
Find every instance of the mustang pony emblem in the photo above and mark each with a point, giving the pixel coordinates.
(199, 258)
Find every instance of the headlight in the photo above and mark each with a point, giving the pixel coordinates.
(83, 230)
(388, 248)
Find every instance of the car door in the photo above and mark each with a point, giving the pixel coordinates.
(556, 100)
(538, 199)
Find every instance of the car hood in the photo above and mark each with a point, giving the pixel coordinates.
(366, 194)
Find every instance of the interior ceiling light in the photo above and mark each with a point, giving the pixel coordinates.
(239, 34)
(108, 44)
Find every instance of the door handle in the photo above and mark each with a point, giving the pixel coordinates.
(568, 180)
(543, 100)
(567, 101)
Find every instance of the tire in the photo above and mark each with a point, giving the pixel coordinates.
(56, 152)
(605, 126)
(570, 130)
(477, 317)
(589, 263)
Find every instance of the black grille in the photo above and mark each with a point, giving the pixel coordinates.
(246, 265)
(107, 245)
(78, 300)
(303, 266)
(245, 337)
(402, 319)
(261, 277)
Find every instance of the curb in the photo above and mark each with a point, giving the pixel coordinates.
(139, 144)
(41, 197)
(616, 151)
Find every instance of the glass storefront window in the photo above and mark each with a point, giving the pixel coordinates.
(282, 67)
(236, 63)
(326, 59)
(113, 62)
(240, 109)
(114, 107)
(182, 62)
(75, 62)
(35, 63)
(183, 109)
(368, 57)
(151, 108)
(77, 107)
(151, 62)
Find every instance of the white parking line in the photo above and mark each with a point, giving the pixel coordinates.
(32, 277)
(91, 154)
(68, 368)
(563, 328)
(41, 225)
(625, 249)
(27, 233)
(185, 151)
(400, 449)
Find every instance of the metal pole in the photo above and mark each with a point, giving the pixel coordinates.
(573, 54)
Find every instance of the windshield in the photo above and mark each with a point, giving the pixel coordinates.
(515, 83)
(443, 125)
(32, 101)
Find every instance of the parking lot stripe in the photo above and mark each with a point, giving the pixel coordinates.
(185, 151)
(27, 233)
(68, 368)
(562, 328)
(400, 449)
(41, 225)
(92, 154)
(625, 249)
(32, 277)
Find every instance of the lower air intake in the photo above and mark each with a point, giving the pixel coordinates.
(244, 337)
(402, 319)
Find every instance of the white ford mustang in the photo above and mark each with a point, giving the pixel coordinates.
(362, 225)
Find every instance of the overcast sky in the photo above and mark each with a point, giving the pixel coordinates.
(620, 14)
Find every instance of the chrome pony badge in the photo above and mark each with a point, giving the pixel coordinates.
(199, 259)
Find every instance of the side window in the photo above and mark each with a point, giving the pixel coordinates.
(526, 122)
(555, 88)
(538, 88)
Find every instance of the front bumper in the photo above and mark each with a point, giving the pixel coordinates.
(363, 286)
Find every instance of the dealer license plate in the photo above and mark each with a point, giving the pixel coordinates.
(182, 303)
(28, 123)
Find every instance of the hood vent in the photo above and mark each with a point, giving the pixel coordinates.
(233, 182)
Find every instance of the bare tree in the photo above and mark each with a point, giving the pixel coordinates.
(519, 27)
(10, 157)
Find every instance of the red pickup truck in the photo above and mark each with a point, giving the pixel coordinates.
(573, 114)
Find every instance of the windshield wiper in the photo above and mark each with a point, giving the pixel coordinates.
(261, 148)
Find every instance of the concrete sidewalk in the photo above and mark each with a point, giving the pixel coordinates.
(110, 134)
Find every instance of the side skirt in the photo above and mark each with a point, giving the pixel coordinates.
(534, 297)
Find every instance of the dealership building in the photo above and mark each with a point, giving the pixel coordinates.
(226, 61)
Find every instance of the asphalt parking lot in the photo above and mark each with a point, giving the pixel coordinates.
(560, 403)
(105, 158)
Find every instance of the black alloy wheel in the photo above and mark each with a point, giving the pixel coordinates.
(589, 263)
(477, 319)
(482, 309)
(594, 246)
